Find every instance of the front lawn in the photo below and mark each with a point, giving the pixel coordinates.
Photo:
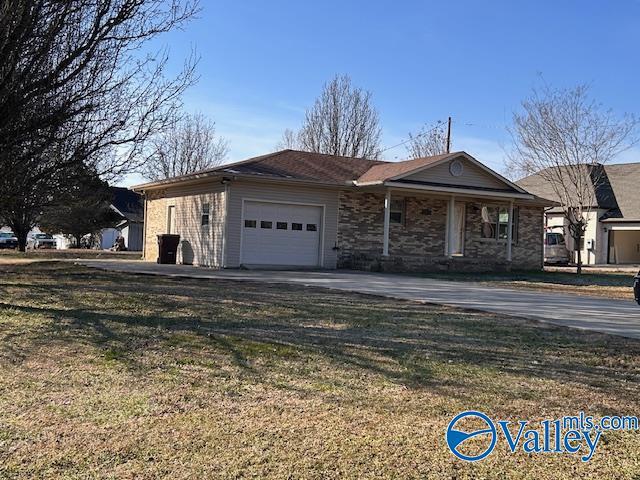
(610, 285)
(11, 256)
(118, 376)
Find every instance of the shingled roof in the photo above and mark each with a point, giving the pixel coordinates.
(387, 170)
(128, 203)
(321, 169)
(297, 165)
(624, 180)
(613, 187)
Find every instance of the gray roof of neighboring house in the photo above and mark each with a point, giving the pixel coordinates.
(615, 188)
(625, 184)
(128, 203)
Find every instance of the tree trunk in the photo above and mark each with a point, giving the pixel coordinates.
(22, 241)
(78, 239)
(21, 232)
(578, 242)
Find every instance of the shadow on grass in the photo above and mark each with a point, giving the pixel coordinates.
(263, 328)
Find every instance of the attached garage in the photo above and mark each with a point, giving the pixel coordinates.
(624, 245)
(285, 234)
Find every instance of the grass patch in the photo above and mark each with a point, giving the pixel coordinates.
(11, 256)
(107, 375)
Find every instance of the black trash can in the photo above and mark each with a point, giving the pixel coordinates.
(168, 248)
(636, 287)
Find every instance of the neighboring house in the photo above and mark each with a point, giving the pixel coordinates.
(613, 229)
(302, 209)
(129, 206)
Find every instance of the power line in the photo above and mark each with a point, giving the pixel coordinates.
(493, 126)
(439, 124)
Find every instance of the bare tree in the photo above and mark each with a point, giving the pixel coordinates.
(428, 141)
(289, 140)
(342, 121)
(79, 85)
(565, 137)
(190, 146)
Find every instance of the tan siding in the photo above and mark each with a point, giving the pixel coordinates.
(284, 194)
(472, 176)
(199, 245)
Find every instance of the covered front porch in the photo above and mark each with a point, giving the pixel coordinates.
(404, 228)
(455, 222)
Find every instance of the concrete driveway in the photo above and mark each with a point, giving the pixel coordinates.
(618, 317)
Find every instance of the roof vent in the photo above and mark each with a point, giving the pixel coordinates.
(456, 168)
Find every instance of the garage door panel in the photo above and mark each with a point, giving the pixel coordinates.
(281, 234)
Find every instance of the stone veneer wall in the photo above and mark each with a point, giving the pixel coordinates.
(418, 244)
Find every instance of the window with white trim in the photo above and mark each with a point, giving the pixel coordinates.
(204, 219)
(495, 223)
(396, 211)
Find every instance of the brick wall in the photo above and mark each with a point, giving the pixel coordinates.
(155, 223)
(526, 252)
(419, 242)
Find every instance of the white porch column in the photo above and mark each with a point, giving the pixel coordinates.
(449, 231)
(385, 234)
(510, 232)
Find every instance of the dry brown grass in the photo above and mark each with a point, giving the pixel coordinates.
(114, 376)
(14, 256)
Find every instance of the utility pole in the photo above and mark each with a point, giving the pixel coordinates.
(449, 135)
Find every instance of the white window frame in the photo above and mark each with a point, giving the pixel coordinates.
(400, 210)
(515, 223)
(205, 213)
(171, 219)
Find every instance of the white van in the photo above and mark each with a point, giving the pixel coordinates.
(555, 248)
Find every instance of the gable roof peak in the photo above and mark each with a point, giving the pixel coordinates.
(391, 170)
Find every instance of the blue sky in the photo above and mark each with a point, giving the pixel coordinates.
(263, 63)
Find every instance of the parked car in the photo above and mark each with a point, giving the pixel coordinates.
(555, 248)
(636, 287)
(41, 240)
(8, 240)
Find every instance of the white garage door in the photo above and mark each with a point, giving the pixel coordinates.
(281, 234)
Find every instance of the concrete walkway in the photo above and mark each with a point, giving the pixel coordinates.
(619, 317)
